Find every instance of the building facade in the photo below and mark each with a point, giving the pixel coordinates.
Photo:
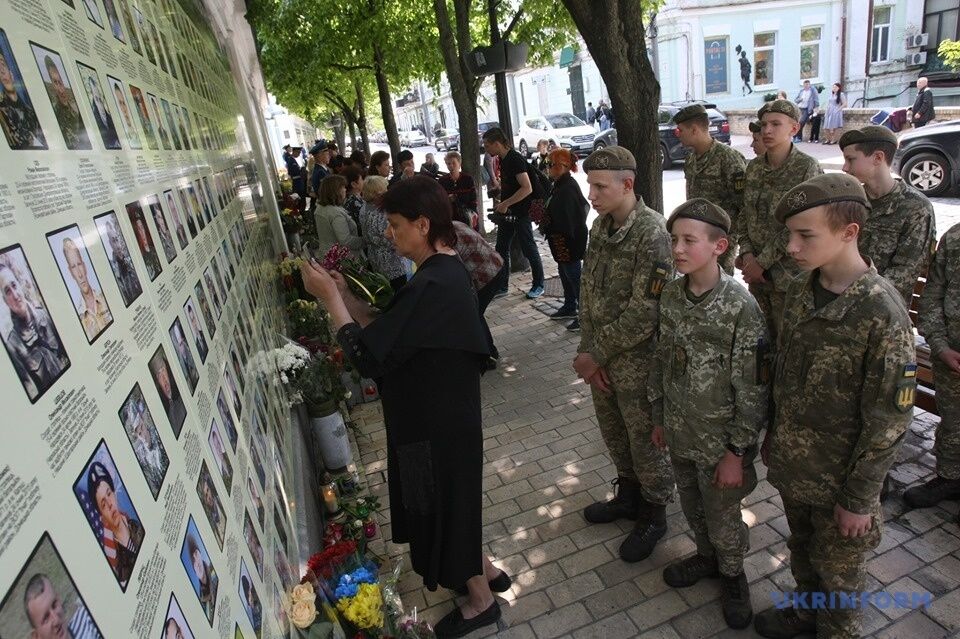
(283, 128)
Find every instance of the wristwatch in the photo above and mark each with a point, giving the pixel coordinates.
(737, 450)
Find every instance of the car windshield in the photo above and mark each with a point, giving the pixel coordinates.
(564, 121)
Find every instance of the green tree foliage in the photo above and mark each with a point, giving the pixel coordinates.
(949, 50)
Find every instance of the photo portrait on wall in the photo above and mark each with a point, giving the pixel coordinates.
(162, 53)
(194, 203)
(198, 192)
(170, 396)
(171, 124)
(181, 127)
(227, 418)
(185, 116)
(199, 339)
(258, 467)
(205, 309)
(175, 624)
(257, 503)
(226, 265)
(148, 249)
(237, 367)
(250, 600)
(279, 522)
(190, 211)
(220, 456)
(253, 543)
(212, 506)
(105, 502)
(118, 255)
(44, 601)
(209, 194)
(184, 355)
(29, 335)
(98, 106)
(161, 128)
(123, 108)
(80, 278)
(142, 432)
(113, 17)
(18, 118)
(218, 277)
(93, 12)
(143, 112)
(212, 291)
(163, 231)
(200, 571)
(131, 31)
(174, 212)
(234, 392)
(144, 30)
(62, 99)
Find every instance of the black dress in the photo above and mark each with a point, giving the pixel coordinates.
(429, 348)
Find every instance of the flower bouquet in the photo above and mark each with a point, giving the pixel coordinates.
(290, 361)
(292, 220)
(300, 604)
(320, 385)
(368, 285)
(308, 321)
(289, 270)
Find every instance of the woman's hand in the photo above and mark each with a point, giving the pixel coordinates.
(321, 283)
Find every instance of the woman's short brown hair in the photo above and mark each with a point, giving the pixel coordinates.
(330, 190)
(378, 158)
(351, 174)
(423, 196)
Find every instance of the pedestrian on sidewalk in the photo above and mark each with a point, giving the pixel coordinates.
(807, 101)
(833, 116)
(565, 227)
(461, 189)
(922, 111)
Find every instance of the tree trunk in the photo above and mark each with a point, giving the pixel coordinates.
(362, 119)
(339, 133)
(614, 33)
(386, 106)
(352, 124)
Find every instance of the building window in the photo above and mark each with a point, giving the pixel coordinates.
(880, 42)
(941, 19)
(810, 52)
(763, 46)
(286, 135)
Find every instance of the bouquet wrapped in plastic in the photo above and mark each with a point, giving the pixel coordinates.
(368, 285)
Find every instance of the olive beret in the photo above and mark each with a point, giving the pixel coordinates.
(689, 112)
(869, 133)
(703, 210)
(610, 158)
(786, 107)
(754, 126)
(817, 191)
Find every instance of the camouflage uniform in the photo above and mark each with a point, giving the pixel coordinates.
(717, 175)
(709, 388)
(760, 233)
(845, 378)
(939, 320)
(899, 237)
(623, 276)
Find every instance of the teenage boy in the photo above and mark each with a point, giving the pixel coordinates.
(709, 390)
(625, 267)
(845, 384)
(713, 171)
(763, 258)
(757, 143)
(900, 234)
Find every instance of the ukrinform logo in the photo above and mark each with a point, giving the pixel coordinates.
(850, 600)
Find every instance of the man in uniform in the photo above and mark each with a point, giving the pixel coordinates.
(845, 383)
(93, 311)
(713, 171)
(626, 266)
(763, 240)
(757, 143)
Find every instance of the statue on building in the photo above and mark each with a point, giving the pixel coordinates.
(745, 69)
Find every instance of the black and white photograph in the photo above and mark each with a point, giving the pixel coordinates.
(18, 118)
(210, 501)
(118, 255)
(200, 571)
(227, 418)
(253, 542)
(44, 601)
(163, 230)
(142, 432)
(184, 354)
(80, 277)
(250, 600)
(99, 108)
(175, 624)
(220, 455)
(62, 98)
(146, 121)
(148, 250)
(170, 397)
(106, 503)
(199, 339)
(171, 203)
(29, 335)
(126, 116)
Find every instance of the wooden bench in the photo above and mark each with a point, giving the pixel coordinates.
(926, 398)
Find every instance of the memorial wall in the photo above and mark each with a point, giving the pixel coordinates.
(145, 448)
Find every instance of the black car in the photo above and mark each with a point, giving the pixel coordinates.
(447, 140)
(671, 150)
(928, 158)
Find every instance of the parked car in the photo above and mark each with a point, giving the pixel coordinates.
(412, 138)
(671, 150)
(483, 127)
(565, 130)
(928, 158)
(447, 140)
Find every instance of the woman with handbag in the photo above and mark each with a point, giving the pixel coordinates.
(565, 227)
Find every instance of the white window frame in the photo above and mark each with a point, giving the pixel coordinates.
(886, 28)
(772, 49)
(811, 43)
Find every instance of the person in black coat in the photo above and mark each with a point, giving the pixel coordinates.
(565, 226)
(923, 106)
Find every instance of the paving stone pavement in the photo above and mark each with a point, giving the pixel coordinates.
(545, 460)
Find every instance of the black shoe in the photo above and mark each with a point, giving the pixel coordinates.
(650, 527)
(501, 293)
(735, 601)
(563, 313)
(490, 364)
(932, 492)
(626, 494)
(454, 625)
(500, 583)
(784, 623)
(686, 572)
(574, 326)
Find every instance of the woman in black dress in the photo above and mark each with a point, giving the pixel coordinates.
(428, 347)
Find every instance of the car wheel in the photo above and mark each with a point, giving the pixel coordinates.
(665, 161)
(928, 173)
(599, 144)
(522, 147)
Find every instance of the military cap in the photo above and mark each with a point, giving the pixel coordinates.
(703, 210)
(786, 107)
(817, 191)
(689, 112)
(316, 148)
(869, 133)
(610, 158)
(754, 126)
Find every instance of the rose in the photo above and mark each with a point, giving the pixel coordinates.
(303, 592)
(303, 613)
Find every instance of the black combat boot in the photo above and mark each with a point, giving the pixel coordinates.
(932, 492)
(784, 623)
(626, 492)
(735, 601)
(686, 572)
(650, 527)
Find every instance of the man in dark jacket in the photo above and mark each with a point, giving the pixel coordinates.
(923, 106)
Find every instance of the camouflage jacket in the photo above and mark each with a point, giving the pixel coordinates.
(845, 379)
(758, 231)
(717, 176)
(710, 380)
(623, 275)
(899, 237)
(939, 316)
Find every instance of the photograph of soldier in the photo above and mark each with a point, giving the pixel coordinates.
(163, 231)
(202, 203)
(171, 124)
(163, 55)
(237, 366)
(218, 277)
(155, 117)
(184, 354)
(140, 102)
(224, 409)
(224, 254)
(18, 118)
(142, 432)
(121, 262)
(143, 28)
(220, 456)
(80, 278)
(205, 309)
(178, 227)
(258, 467)
(129, 28)
(168, 390)
(181, 125)
(175, 625)
(257, 502)
(123, 108)
(212, 290)
(98, 105)
(111, 514)
(200, 571)
(210, 500)
(43, 602)
(191, 201)
(250, 600)
(234, 393)
(280, 526)
(144, 240)
(62, 99)
(199, 339)
(253, 543)
(209, 194)
(281, 615)
(29, 334)
(92, 10)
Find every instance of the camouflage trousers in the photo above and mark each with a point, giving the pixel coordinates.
(626, 427)
(824, 561)
(947, 448)
(771, 303)
(714, 513)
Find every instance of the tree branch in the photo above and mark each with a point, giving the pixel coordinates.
(350, 67)
(513, 23)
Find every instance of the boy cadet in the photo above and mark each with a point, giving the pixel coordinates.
(900, 234)
(709, 391)
(626, 266)
(757, 143)
(939, 320)
(845, 382)
(714, 171)
(766, 266)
